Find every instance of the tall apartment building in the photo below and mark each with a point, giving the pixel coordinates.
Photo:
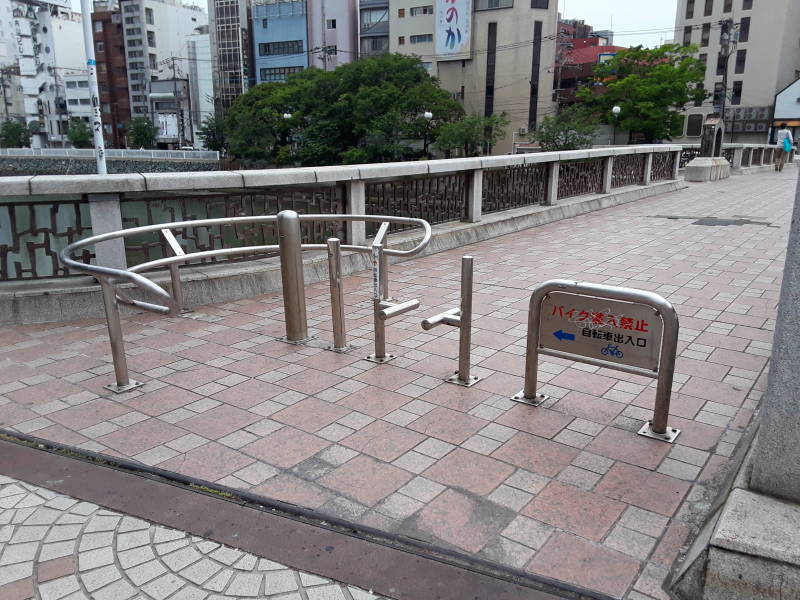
(201, 79)
(155, 33)
(373, 27)
(112, 72)
(231, 50)
(765, 60)
(333, 32)
(496, 56)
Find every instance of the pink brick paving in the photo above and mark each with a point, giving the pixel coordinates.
(566, 490)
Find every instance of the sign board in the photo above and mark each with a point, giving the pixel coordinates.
(167, 124)
(453, 35)
(617, 332)
(604, 57)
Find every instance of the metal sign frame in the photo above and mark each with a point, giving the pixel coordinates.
(656, 428)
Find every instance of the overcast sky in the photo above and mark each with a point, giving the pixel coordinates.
(625, 17)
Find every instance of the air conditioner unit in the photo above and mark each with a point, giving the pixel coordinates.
(522, 131)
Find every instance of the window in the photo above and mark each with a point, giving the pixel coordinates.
(539, 3)
(278, 73)
(427, 66)
(151, 39)
(136, 87)
(747, 4)
(83, 84)
(131, 8)
(372, 16)
(694, 125)
(422, 10)
(722, 64)
(687, 35)
(72, 84)
(133, 31)
(709, 8)
(277, 48)
(741, 57)
(264, 23)
(689, 9)
(744, 29)
(131, 20)
(330, 24)
(85, 101)
(490, 4)
(703, 58)
(705, 34)
(699, 86)
(401, 12)
(135, 53)
(148, 16)
(152, 58)
(374, 45)
(401, 40)
(73, 101)
(136, 76)
(136, 65)
(421, 39)
(98, 26)
(718, 93)
(133, 43)
(99, 47)
(727, 6)
(736, 94)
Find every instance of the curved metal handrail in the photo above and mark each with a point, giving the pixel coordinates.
(111, 276)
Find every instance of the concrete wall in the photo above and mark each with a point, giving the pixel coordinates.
(88, 166)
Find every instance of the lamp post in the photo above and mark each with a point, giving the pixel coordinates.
(615, 111)
(427, 115)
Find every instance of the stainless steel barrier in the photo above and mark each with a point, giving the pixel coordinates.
(461, 318)
(337, 296)
(289, 247)
(592, 315)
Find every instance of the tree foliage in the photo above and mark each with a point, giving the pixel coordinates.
(141, 133)
(572, 129)
(79, 134)
(14, 134)
(371, 110)
(469, 135)
(651, 86)
(212, 132)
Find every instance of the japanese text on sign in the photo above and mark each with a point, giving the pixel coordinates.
(453, 28)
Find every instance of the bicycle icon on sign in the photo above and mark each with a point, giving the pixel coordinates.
(611, 350)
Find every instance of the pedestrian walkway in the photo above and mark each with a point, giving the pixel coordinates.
(53, 547)
(567, 490)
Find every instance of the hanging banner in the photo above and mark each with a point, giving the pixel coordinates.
(453, 34)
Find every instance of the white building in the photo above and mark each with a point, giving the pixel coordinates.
(332, 32)
(201, 79)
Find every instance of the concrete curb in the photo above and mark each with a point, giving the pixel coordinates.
(80, 298)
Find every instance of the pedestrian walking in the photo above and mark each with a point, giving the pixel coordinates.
(785, 143)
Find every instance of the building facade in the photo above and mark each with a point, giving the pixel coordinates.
(495, 56)
(764, 59)
(112, 73)
(373, 27)
(280, 39)
(231, 50)
(171, 108)
(332, 32)
(201, 78)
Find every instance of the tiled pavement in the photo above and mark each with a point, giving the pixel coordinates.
(566, 490)
(53, 547)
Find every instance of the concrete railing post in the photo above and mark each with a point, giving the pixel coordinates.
(648, 168)
(474, 195)
(737, 158)
(608, 171)
(552, 183)
(356, 205)
(106, 216)
(676, 163)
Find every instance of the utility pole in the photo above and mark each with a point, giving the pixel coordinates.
(4, 72)
(561, 56)
(178, 104)
(91, 63)
(726, 46)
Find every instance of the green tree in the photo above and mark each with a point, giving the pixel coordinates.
(371, 110)
(141, 133)
(14, 134)
(572, 129)
(79, 134)
(470, 134)
(212, 132)
(651, 86)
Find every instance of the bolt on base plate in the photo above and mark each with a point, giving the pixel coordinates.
(300, 342)
(471, 380)
(380, 359)
(340, 350)
(535, 401)
(668, 436)
(119, 389)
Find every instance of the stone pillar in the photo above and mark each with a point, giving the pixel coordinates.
(648, 168)
(106, 216)
(608, 170)
(737, 158)
(552, 183)
(676, 165)
(356, 205)
(474, 196)
(776, 463)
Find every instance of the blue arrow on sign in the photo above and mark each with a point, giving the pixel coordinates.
(564, 336)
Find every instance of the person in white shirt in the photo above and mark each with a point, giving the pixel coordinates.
(782, 154)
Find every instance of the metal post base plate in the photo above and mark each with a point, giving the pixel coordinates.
(535, 401)
(300, 342)
(380, 359)
(340, 350)
(119, 389)
(471, 380)
(668, 436)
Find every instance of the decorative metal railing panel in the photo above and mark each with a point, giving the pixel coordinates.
(512, 187)
(577, 177)
(747, 155)
(663, 166)
(628, 170)
(437, 199)
(687, 154)
(32, 234)
(166, 208)
(757, 156)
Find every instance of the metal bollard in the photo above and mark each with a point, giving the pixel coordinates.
(294, 295)
(174, 273)
(337, 296)
(461, 318)
(123, 381)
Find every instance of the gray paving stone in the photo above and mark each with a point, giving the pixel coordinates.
(58, 588)
(145, 572)
(276, 582)
(98, 578)
(248, 584)
(162, 587)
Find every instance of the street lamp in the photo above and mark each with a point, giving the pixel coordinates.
(615, 111)
(427, 115)
(287, 116)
